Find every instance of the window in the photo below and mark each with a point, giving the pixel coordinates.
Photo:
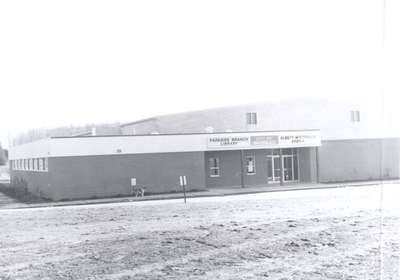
(251, 164)
(214, 167)
(251, 118)
(40, 164)
(355, 116)
(46, 164)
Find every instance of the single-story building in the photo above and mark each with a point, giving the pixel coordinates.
(315, 143)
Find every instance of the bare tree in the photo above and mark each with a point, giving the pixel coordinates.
(2, 156)
(62, 131)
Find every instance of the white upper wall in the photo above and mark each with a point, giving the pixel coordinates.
(40, 148)
(116, 145)
(331, 117)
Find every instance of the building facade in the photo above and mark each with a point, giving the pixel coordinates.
(257, 145)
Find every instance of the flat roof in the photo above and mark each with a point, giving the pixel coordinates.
(164, 143)
(177, 134)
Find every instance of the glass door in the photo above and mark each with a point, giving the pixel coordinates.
(274, 168)
(288, 168)
(289, 162)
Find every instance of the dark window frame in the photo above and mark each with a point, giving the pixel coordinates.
(251, 118)
(214, 167)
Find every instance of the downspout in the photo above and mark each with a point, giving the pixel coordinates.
(242, 168)
(281, 163)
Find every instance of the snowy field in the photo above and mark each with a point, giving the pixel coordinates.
(312, 234)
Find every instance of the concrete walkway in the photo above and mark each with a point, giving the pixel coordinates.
(9, 203)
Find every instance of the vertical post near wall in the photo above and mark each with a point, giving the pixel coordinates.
(133, 186)
(282, 166)
(183, 183)
(242, 168)
(317, 163)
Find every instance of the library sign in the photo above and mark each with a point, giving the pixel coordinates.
(265, 140)
(228, 141)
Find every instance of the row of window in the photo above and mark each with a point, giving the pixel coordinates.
(31, 164)
(215, 170)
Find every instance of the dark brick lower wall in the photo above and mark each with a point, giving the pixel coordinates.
(37, 183)
(110, 175)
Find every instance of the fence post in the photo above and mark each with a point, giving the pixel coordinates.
(183, 182)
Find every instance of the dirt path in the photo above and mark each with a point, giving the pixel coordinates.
(319, 234)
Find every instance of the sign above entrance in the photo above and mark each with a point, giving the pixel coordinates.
(228, 141)
(265, 140)
(297, 139)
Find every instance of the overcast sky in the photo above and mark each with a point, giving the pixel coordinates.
(77, 62)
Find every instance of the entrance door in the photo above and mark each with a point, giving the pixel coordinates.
(274, 168)
(288, 168)
(289, 164)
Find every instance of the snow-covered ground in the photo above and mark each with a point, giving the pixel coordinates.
(312, 234)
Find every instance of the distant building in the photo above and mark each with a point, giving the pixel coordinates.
(291, 142)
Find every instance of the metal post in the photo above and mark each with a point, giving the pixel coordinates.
(281, 163)
(183, 182)
(317, 162)
(184, 194)
(242, 168)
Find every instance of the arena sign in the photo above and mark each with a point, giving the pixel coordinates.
(297, 139)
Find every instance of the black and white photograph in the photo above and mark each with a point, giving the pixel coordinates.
(200, 139)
